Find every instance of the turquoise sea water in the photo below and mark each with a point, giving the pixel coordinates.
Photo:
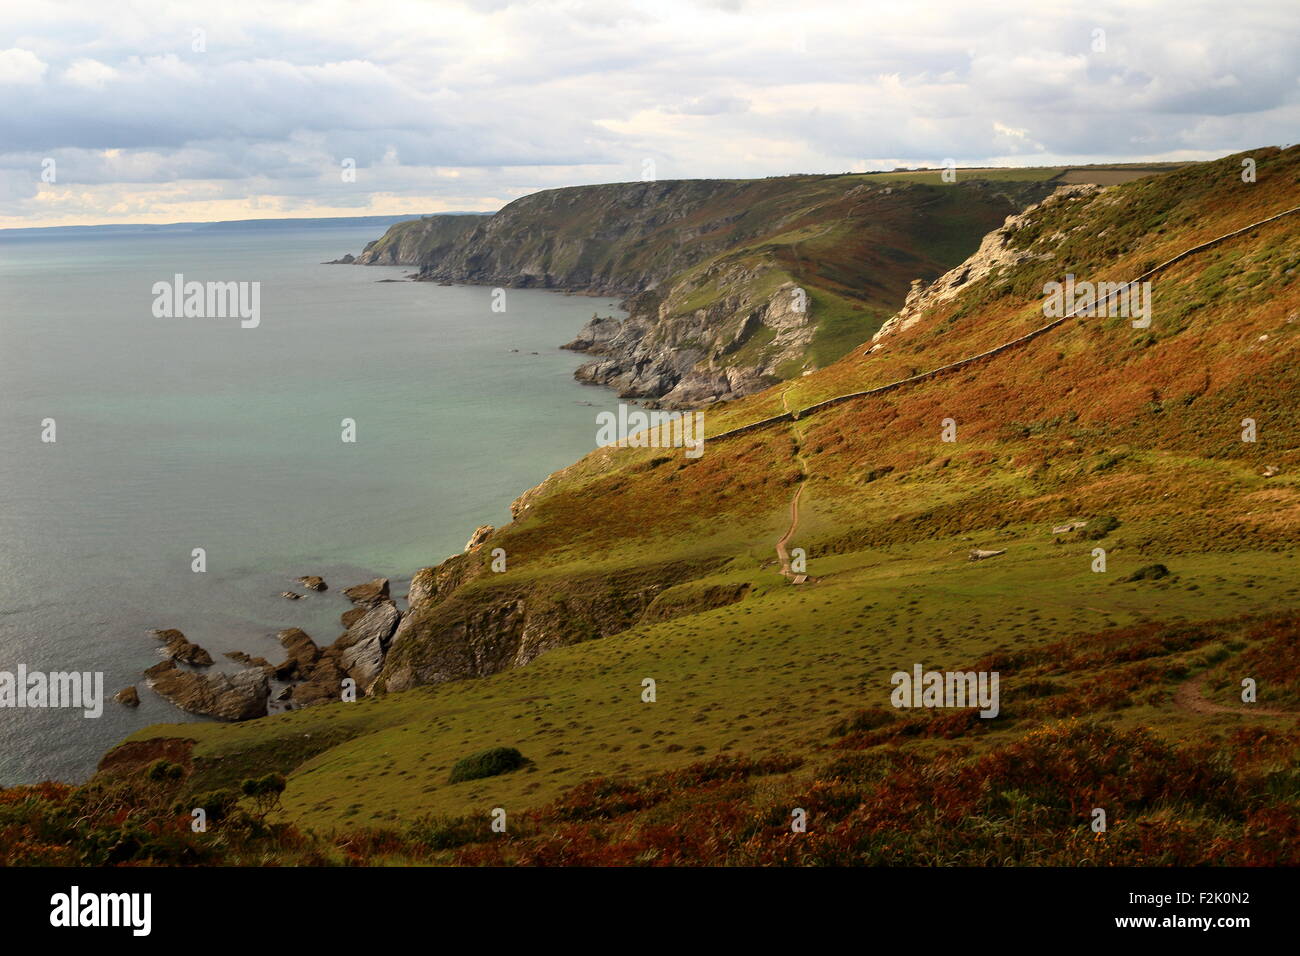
(183, 433)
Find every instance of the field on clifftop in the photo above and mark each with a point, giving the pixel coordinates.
(1120, 688)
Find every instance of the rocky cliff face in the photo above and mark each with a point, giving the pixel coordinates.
(411, 243)
(689, 360)
(757, 315)
(615, 239)
(731, 285)
(473, 631)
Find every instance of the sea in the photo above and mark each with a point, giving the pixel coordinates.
(179, 437)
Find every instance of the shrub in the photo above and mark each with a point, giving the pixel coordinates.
(1152, 572)
(486, 763)
(869, 719)
(264, 792)
(162, 771)
(1099, 527)
(217, 803)
(446, 832)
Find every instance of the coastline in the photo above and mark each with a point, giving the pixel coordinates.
(339, 523)
(279, 682)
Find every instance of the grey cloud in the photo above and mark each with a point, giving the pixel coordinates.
(517, 95)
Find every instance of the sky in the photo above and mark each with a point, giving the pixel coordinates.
(133, 112)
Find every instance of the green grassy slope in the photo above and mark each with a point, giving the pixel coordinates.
(1094, 420)
(709, 264)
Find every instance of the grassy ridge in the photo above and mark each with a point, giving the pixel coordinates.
(1135, 431)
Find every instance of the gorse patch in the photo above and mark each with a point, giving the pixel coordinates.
(486, 763)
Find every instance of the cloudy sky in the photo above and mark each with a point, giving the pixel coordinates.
(163, 112)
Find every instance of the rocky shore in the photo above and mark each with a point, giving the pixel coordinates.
(310, 674)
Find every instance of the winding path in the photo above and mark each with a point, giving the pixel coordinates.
(782, 550)
(1191, 696)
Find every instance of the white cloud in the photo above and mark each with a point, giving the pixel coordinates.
(90, 74)
(21, 67)
(469, 103)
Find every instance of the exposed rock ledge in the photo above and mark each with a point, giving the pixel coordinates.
(239, 696)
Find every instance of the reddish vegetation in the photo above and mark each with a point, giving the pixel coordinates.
(1030, 801)
(944, 787)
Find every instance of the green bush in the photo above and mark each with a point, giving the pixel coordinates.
(1098, 528)
(1152, 572)
(264, 792)
(486, 763)
(217, 803)
(162, 771)
(446, 832)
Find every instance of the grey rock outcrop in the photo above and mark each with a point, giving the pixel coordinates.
(239, 696)
(366, 643)
(595, 336)
(368, 594)
(690, 359)
(419, 240)
(424, 587)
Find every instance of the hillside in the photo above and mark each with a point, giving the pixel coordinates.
(730, 285)
(1121, 686)
(405, 243)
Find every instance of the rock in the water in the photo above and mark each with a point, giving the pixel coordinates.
(290, 595)
(595, 336)
(160, 668)
(240, 657)
(352, 615)
(300, 646)
(128, 696)
(368, 594)
(480, 535)
(177, 647)
(366, 642)
(239, 696)
(311, 582)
